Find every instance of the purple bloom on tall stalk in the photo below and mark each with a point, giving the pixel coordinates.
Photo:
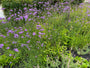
(42, 44)
(41, 33)
(10, 54)
(21, 32)
(7, 47)
(24, 45)
(3, 22)
(40, 2)
(41, 29)
(26, 17)
(17, 19)
(14, 42)
(22, 36)
(28, 41)
(0, 18)
(43, 17)
(16, 35)
(25, 8)
(10, 31)
(3, 36)
(21, 17)
(15, 49)
(27, 35)
(11, 10)
(34, 13)
(30, 9)
(8, 18)
(38, 26)
(34, 33)
(88, 14)
(39, 36)
(3, 8)
(66, 3)
(1, 45)
(48, 13)
(29, 19)
(25, 29)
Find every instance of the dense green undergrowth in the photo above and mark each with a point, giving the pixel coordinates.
(45, 39)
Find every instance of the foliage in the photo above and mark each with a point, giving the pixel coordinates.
(45, 39)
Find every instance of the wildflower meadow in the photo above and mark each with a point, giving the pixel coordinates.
(45, 34)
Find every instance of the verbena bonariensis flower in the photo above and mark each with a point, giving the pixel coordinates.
(41, 33)
(39, 36)
(21, 32)
(41, 29)
(25, 29)
(15, 49)
(88, 15)
(38, 26)
(10, 54)
(8, 18)
(16, 35)
(42, 44)
(34, 33)
(14, 42)
(7, 47)
(3, 22)
(1, 45)
(28, 41)
(26, 17)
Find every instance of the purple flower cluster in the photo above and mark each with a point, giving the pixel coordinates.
(1, 45)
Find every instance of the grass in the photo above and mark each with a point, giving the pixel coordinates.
(45, 39)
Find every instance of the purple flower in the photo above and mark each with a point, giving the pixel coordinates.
(21, 32)
(22, 36)
(41, 29)
(8, 18)
(7, 47)
(29, 19)
(34, 33)
(48, 13)
(3, 8)
(3, 36)
(25, 29)
(3, 22)
(38, 26)
(17, 19)
(42, 44)
(11, 10)
(27, 35)
(43, 17)
(14, 42)
(88, 14)
(16, 35)
(39, 36)
(25, 8)
(1, 45)
(41, 33)
(28, 41)
(21, 17)
(40, 2)
(15, 49)
(26, 17)
(34, 13)
(66, 8)
(10, 31)
(24, 45)
(66, 3)
(10, 54)
(30, 9)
